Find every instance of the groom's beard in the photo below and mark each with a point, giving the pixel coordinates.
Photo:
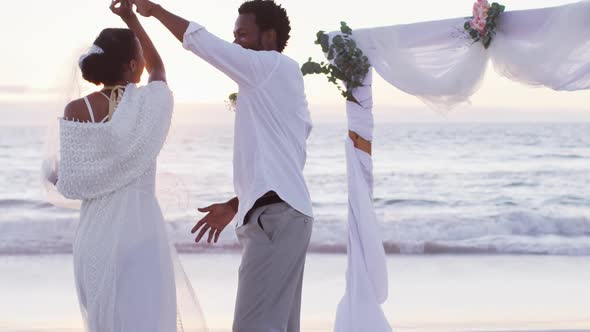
(257, 46)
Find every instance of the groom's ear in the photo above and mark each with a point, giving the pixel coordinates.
(269, 40)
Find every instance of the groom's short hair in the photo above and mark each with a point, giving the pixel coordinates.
(269, 15)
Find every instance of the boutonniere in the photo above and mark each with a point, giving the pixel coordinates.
(232, 102)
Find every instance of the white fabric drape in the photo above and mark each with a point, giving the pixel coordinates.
(439, 63)
(366, 276)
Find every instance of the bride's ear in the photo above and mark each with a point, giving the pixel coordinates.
(133, 64)
(133, 71)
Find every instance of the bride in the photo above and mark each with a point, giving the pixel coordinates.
(109, 142)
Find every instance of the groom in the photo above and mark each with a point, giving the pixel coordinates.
(273, 206)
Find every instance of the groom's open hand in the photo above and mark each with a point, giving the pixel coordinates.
(218, 216)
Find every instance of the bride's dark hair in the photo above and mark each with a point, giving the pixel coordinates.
(119, 48)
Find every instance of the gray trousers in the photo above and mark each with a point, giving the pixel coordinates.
(275, 240)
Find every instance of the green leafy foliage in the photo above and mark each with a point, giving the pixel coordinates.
(350, 66)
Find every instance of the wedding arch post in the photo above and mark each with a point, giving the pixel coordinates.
(442, 63)
(366, 275)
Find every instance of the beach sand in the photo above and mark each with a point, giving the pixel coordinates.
(427, 293)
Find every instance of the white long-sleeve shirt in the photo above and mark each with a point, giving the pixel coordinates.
(272, 120)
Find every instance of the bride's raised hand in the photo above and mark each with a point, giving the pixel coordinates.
(122, 8)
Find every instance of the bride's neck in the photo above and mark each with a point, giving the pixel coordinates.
(113, 85)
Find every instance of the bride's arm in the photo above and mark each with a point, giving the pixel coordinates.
(154, 63)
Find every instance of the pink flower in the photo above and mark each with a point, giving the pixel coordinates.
(483, 4)
(480, 9)
(480, 15)
(481, 25)
(475, 10)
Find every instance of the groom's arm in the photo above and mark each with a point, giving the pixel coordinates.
(244, 66)
(174, 23)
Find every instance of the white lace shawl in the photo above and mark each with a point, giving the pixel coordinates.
(100, 158)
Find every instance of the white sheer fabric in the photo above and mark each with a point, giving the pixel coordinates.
(545, 47)
(360, 116)
(430, 60)
(128, 277)
(50, 170)
(366, 276)
(437, 62)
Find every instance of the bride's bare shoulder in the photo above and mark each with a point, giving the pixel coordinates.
(76, 110)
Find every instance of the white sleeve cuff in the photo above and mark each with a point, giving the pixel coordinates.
(192, 28)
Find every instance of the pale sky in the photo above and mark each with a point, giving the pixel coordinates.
(41, 41)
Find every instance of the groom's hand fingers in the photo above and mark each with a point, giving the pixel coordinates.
(217, 232)
(205, 209)
(202, 232)
(211, 234)
(143, 7)
(199, 224)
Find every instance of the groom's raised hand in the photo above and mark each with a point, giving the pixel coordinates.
(217, 218)
(144, 7)
(176, 24)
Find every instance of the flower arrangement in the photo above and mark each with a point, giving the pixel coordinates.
(482, 25)
(350, 64)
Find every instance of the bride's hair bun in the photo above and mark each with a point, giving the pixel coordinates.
(108, 67)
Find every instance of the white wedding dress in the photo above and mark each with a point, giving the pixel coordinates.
(123, 263)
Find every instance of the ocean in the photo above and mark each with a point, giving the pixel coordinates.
(440, 188)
